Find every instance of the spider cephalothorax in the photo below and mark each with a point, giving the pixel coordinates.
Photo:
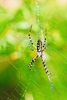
(39, 48)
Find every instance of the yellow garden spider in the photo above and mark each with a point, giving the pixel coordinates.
(39, 48)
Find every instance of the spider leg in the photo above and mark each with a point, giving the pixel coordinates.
(30, 37)
(44, 46)
(31, 63)
(45, 68)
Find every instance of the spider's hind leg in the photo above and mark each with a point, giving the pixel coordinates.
(45, 68)
(32, 62)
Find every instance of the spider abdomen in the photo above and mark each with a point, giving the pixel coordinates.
(39, 46)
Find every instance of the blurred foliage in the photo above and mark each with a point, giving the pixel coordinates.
(17, 82)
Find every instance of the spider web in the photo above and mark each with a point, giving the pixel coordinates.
(22, 84)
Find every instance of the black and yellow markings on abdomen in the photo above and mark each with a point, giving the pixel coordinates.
(39, 45)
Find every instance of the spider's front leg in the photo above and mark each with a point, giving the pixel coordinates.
(32, 62)
(30, 37)
(44, 45)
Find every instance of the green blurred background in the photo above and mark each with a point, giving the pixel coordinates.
(17, 82)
